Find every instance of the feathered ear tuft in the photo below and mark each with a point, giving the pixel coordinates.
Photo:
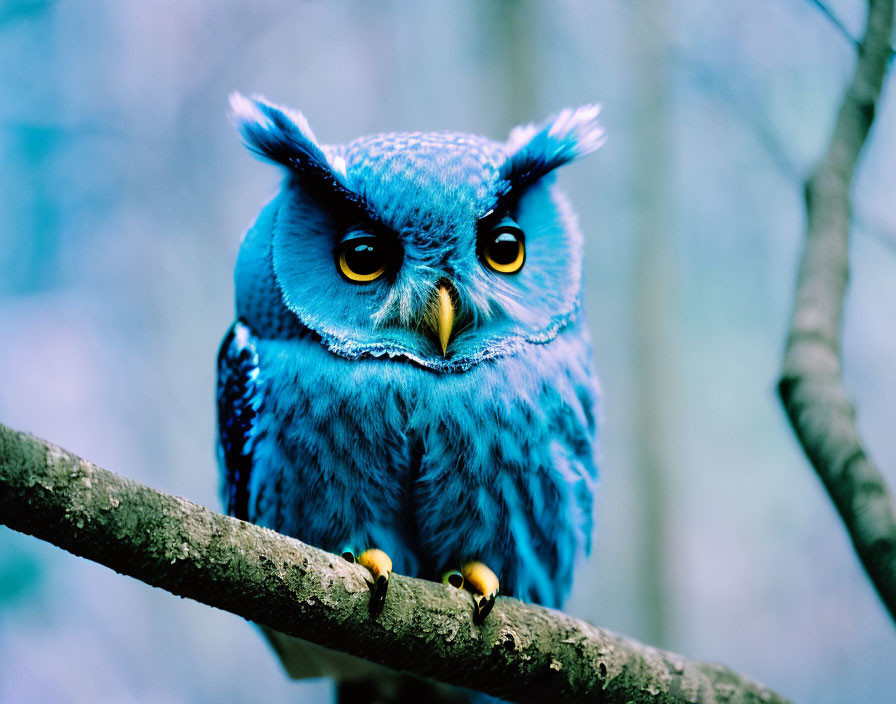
(284, 137)
(534, 151)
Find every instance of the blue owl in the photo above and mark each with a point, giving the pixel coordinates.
(409, 379)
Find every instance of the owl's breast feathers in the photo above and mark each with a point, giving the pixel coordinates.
(495, 463)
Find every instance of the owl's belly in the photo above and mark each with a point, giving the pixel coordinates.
(492, 464)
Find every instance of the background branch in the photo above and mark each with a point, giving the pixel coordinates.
(811, 386)
(522, 652)
(837, 24)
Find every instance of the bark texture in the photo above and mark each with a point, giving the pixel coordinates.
(522, 652)
(811, 385)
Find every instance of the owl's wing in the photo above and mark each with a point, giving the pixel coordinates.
(240, 391)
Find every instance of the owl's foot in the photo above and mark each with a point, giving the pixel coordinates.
(380, 566)
(483, 583)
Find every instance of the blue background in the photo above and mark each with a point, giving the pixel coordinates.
(124, 193)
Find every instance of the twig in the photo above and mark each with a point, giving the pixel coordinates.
(835, 21)
(522, 652)
(842, 30)
(811, 386)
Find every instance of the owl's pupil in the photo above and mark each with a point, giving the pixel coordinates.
(505, 248)
(364, 258)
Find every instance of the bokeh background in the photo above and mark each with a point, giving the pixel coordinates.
(124, 193)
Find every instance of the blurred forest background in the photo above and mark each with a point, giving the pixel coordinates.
(124, 192)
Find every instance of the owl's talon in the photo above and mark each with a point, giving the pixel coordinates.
(480, 580)
(380, 566)
(482, 605)
(378, 594)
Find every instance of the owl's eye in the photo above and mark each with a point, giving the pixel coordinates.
(503, 247)
(362, 257)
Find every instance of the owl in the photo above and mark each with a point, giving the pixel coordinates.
(409, 382)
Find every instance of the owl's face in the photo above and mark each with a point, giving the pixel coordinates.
(442, 248)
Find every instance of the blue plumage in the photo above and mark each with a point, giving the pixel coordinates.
(240, 393)
(346, 422)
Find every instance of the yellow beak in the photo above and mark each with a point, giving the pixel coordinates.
(443, 316)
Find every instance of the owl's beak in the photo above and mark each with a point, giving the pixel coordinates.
(442, 315)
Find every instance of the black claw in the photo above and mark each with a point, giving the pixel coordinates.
(482, 605)
(378, 594)
(348, 555)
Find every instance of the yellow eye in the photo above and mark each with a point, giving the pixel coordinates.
(503, 248)
(362, 258)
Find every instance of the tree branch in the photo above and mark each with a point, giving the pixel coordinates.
(811, 385)
(522, 652)
(835, 21)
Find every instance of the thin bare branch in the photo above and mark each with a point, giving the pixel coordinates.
(835, 21)
(840, 27)
(811, 385)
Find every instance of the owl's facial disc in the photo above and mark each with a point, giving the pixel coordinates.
(442, 249)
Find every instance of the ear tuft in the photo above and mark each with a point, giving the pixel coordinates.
(282, 136)
(534, 151)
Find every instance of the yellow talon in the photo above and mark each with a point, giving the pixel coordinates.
(380, 566)
(479, 578)
(378, 562)
(483, 583)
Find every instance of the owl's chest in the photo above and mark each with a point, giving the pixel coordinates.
(496, 462)
(379, 419)
(372, 415)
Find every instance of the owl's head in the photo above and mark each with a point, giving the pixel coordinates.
(441, 248)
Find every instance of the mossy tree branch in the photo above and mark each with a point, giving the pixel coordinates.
(811, 385)
(522, 652)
